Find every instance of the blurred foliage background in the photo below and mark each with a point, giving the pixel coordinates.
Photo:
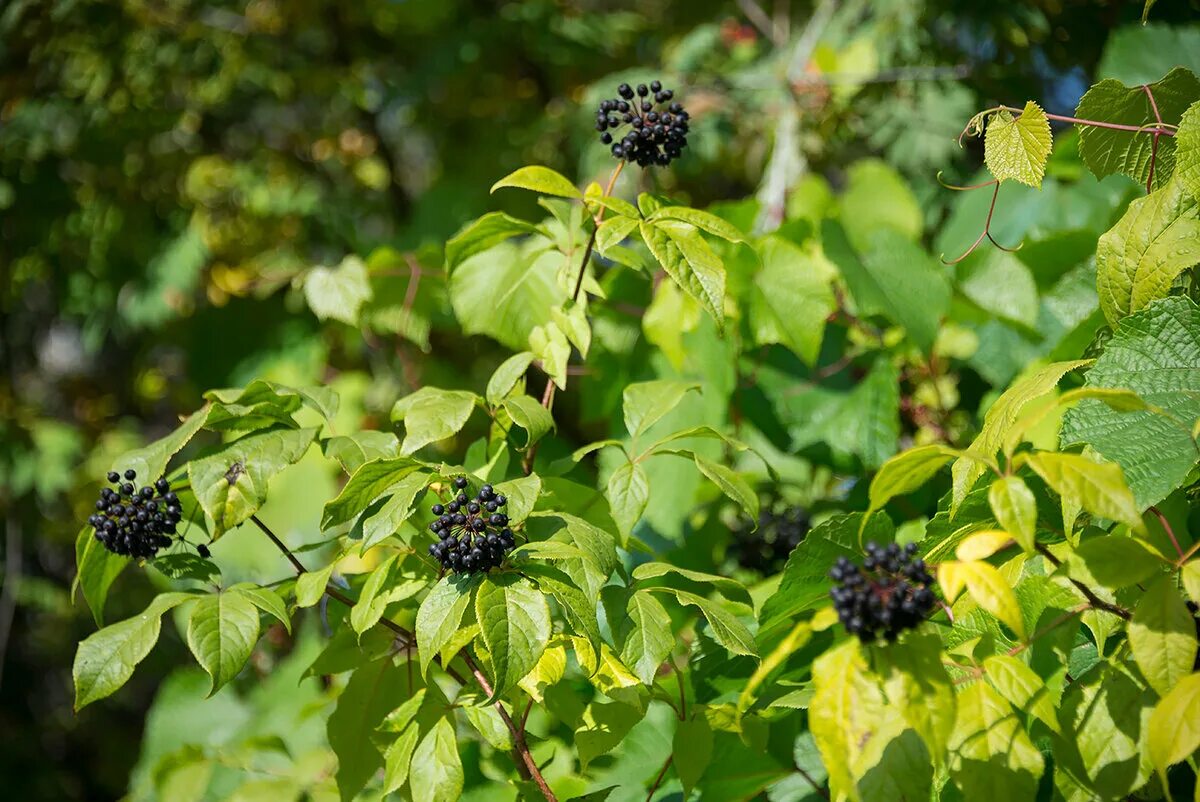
(170, 169)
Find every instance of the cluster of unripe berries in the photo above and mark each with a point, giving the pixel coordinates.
(766, 548)
(657, 132)
(473, 534)
(135, 522)
(887, 595)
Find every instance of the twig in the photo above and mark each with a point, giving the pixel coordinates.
(1087, 592)
(1161, 129)
(987, 228)
(820, 789)
(1162, 519)
(1153, 139)
(658, 780)
(518, 736)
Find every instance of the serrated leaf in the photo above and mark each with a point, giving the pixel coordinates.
(266, 600)
(437, 773)
(367, 484)
(604, 726)
(864, 422)
(628, 492)
(1174, 728)
(1139, 258)
(398, 758)
(522, 495)
(791, 299)
(729, 588)
(991, 591)
(1082, 483)
(906, 472)
(991, 757)
(690, 263)
(725, 629)
(514, 624)
(505, 292)
(483, 233)
(232, 484)
(432, 414)
(1106, 151)
(645, 635)
(1162, 636)
(384, 585)
(338, 293)
(310, 586)
(1000, 418)
(531, 416)
(707, 222)
(1015, 508)
(981, 545)
(614, 231)
(440, 614)
(222, 631)
(105, 660)
(150, 461)
(1107, 711)
(536, 178)
(1155, 353)
(919, 685)
(395, 511)
(578, 608)
(186, 566)
(506, 377)
(1018, 147)
(1023, 688)
(1187, 141)
(352, 451)
(645, 403)
(844, 714)
(549, 671)
(731, 483)
(1114, 562)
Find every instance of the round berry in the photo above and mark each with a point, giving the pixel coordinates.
(114, 477)
(656, 86)
(437, 509)
(131, 474)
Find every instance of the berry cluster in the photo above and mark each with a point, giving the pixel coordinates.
(473, 534)
(657, 132)
(766, 549)
(888, 595)
(133, 522)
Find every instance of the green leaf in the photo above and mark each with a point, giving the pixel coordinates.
(553, 351)
(536, 178)
(352, 451)
(310, 586)
(729, 588)
(705, 221)
(222, 631)
(614, 231)
(795, 640)
(645, 635)
(1106, 711)
(1162, 636)
(506, 377)
(374, 689)
(549, 671)
(105, 660)
(690, 263)
(692, 748)
(514, 623)
(437, 772)
(531, 416)
(96, 568)
(338, 293)
(1023, 688)
(1156, 354)
(384, 585)
(844, 714)
(522, 495)
(432, 414)
(578, 608)
(919, 685)
(791, 299)
(232, 484)
(150, 461)
(1015, 509)
(1018, 147)
(1191, 579)
(1114, 562)
(1098, 487)
(645, 403)
(1139, 258)
(991, 591)
(1000, 283)
(731, 483)
(441, 613)
(605, 725)
(398, 758)
(1106, 151)
(395, 511)
(183, 565)
(369, 482)
(878, 197)
(726, 630)
(1001, 417)
(906, 472)
(991, 756)
(1187, 141)
(864, 422)
(265, 599)
(1174, 728)
(506, 292)
(628, 492)
(479, 235)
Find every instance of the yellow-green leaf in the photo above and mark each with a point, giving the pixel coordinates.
(1018, 147)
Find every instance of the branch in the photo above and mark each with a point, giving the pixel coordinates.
(517, 735)
(1154, 139)
(1087, 592)
(658, 780)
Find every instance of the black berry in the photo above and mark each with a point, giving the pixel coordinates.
(658, 136)
(887, 595)
(470, 540)
(135, 528)
(780, 529)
